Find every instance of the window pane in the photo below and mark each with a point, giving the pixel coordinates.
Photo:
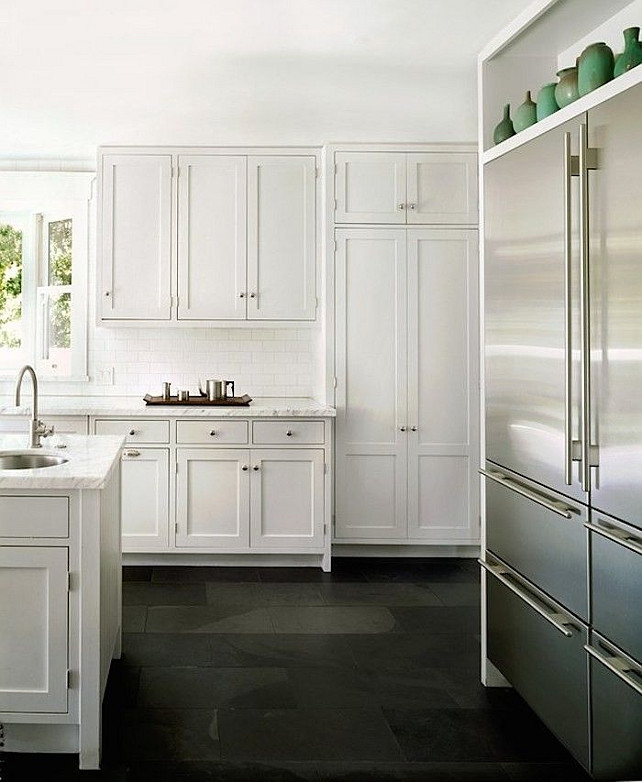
(59, 252)
(11, 336)
(55, 322)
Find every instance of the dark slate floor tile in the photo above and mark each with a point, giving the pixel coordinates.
(411, 772)
(415, 689)
(122, 687)
(201, 688)
(144, 594)
(137, 573)
(551, 772)
(271, 594)
(222, 771)
(440, 570)
(175, 574)
(518, 735)
(333, 619)
(457, 594)
(332, 688)
(404, 651)
(379, 594)
(208, 619)
(22, 767)
(466, 689)
(306, 734)
(134, 619)
(438, 619)
(166, 649)
(285, 651)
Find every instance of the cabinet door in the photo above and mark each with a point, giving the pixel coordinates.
(287, 499)
(442, 188)
(211, 237)
(145, 499)
(370, 187)
(442, 325)
(136, 237)
(281, 238)
(213, 498)
(371, 488)
(33, 615)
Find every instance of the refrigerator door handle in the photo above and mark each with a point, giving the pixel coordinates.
(620, 666)
(571, 168)
(617, 536)
(549, 504)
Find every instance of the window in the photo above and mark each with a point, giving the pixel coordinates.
(43, 278)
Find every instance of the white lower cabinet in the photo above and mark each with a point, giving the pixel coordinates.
(34, 617)
(145, 499)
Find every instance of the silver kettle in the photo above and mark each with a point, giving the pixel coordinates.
(216, 389)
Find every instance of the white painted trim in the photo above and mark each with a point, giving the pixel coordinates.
(407, 549)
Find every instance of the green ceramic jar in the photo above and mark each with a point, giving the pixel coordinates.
(526, 114)
(567, 90)
(505, 128)
(595, 67)
(546, 101)
(632, 54)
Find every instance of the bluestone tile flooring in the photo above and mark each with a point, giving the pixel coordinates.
(368, 673)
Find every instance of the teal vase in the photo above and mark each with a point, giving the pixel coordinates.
(566, 90)
(546, 101)
(526, 114)
(595, 67)
(505, 128)
(632, 54)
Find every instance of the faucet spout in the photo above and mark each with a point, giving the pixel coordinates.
(37, 428)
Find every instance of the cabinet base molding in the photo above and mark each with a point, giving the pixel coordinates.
(391, 549)
(226, 560)
(19, 737)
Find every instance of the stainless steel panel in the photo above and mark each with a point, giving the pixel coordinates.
(616, 582)
(547, 667)
(616, 708)
(616, 297)
(525, 346)
(547, 548)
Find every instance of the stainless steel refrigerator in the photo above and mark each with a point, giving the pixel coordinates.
(563, 424)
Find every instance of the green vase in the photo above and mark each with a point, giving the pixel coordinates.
(505, 128)
(566, 90)
(546, 102)
(526, 114)
(632, 54)
(595, 67)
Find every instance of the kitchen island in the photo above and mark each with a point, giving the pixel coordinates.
(60, 591)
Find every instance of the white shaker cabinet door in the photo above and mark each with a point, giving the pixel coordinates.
(213, 498)
(211, 237)
(33, 618)
(287, 498)
(370, 187)
(145, 499)
(281, 238)
(442, 323)
(442, 188)
(371, 426)
(136, 237)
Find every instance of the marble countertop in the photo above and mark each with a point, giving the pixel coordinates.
(261, 407)
(91, 461)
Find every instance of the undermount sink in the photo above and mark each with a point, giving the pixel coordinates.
(27, 460)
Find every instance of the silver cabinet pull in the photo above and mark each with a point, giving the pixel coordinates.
(107, 293)
(617, 536)
(132, 431)
(132, 453)
(241, 295)
(552, 505)
(413, 428)
(213, 433)
(551, 617)
(403, 428)
(402, 207)
(288, 433)
(620, 666)
(253, 295)
(255, 468)
(244, 468)
(412, 207)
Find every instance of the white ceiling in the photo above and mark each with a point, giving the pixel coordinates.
(78, 73)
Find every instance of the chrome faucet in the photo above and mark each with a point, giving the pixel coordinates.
(36, 429)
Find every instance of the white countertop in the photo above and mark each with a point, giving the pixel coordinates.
(91, 460)
(261, 407)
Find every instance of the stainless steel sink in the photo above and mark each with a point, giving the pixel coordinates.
(27, 460)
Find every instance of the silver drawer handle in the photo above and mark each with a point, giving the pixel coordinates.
(498, 572)
(213, 433)
(132, 432)
(132, 453)
(620, 536)
(288, 433)
(552, 505)
(617, 665)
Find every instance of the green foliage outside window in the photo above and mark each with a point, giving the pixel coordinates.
(59, 251)
(10, 285)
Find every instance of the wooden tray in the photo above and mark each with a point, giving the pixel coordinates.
(199, 401)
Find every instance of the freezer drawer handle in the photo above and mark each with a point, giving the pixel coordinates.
(617, 536)
(551, 616)
(617, 665)
(551, 504)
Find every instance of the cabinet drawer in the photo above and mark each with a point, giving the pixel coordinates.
(287, 433)
(546, 547)
(34, 517)
(616, 582)
(539, 648)
(212, 432)
(137, 430)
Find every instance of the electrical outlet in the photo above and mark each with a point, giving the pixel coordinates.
(105, 377)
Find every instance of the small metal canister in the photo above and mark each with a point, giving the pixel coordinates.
(183, 395)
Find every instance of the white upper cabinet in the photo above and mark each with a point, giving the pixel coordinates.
(281, 238)
(430, 188)
(211, 237)
(136, 237)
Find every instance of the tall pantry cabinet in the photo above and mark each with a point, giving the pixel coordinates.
(405, 333)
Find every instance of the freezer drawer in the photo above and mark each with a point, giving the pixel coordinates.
(616, 582)
(540, 534)
(616, 707)
(539, 648)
